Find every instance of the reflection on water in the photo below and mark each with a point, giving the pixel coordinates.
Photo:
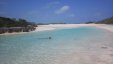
(67, 46)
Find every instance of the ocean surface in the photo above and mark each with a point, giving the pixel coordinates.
(84, 45)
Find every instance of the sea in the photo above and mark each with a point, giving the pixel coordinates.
(83, 45)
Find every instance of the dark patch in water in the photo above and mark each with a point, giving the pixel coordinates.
(104, 47)
(46, 38)
(111, 54)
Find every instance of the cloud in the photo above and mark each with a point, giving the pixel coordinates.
(62, 9)
(71, 15)
(51, 4)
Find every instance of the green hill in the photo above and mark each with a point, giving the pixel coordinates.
(13, 22)
(15, 25)
(106, 21)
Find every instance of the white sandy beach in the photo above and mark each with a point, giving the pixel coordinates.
(64, 26)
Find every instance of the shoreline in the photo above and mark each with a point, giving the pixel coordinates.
(63, 26)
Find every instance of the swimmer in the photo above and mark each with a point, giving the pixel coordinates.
(49, 37)
(45, 38)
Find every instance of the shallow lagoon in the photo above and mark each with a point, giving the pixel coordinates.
(84, 45)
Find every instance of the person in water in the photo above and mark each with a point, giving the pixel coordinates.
(45, 38)
(49, 37)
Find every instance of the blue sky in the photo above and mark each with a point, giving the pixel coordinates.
(50, 11)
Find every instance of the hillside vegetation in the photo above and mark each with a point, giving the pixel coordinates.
(106, 21)
(12, 22)
(15, 25)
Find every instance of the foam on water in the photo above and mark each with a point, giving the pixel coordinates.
(84, 45)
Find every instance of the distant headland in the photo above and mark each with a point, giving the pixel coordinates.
(10, 25)
(104, 21)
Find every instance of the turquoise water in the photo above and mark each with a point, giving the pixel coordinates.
(35, 48)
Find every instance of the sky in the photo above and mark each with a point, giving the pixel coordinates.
(53, 11)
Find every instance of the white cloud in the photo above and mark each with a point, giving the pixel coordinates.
(71, 15)
(51, 4)
(62, 10)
